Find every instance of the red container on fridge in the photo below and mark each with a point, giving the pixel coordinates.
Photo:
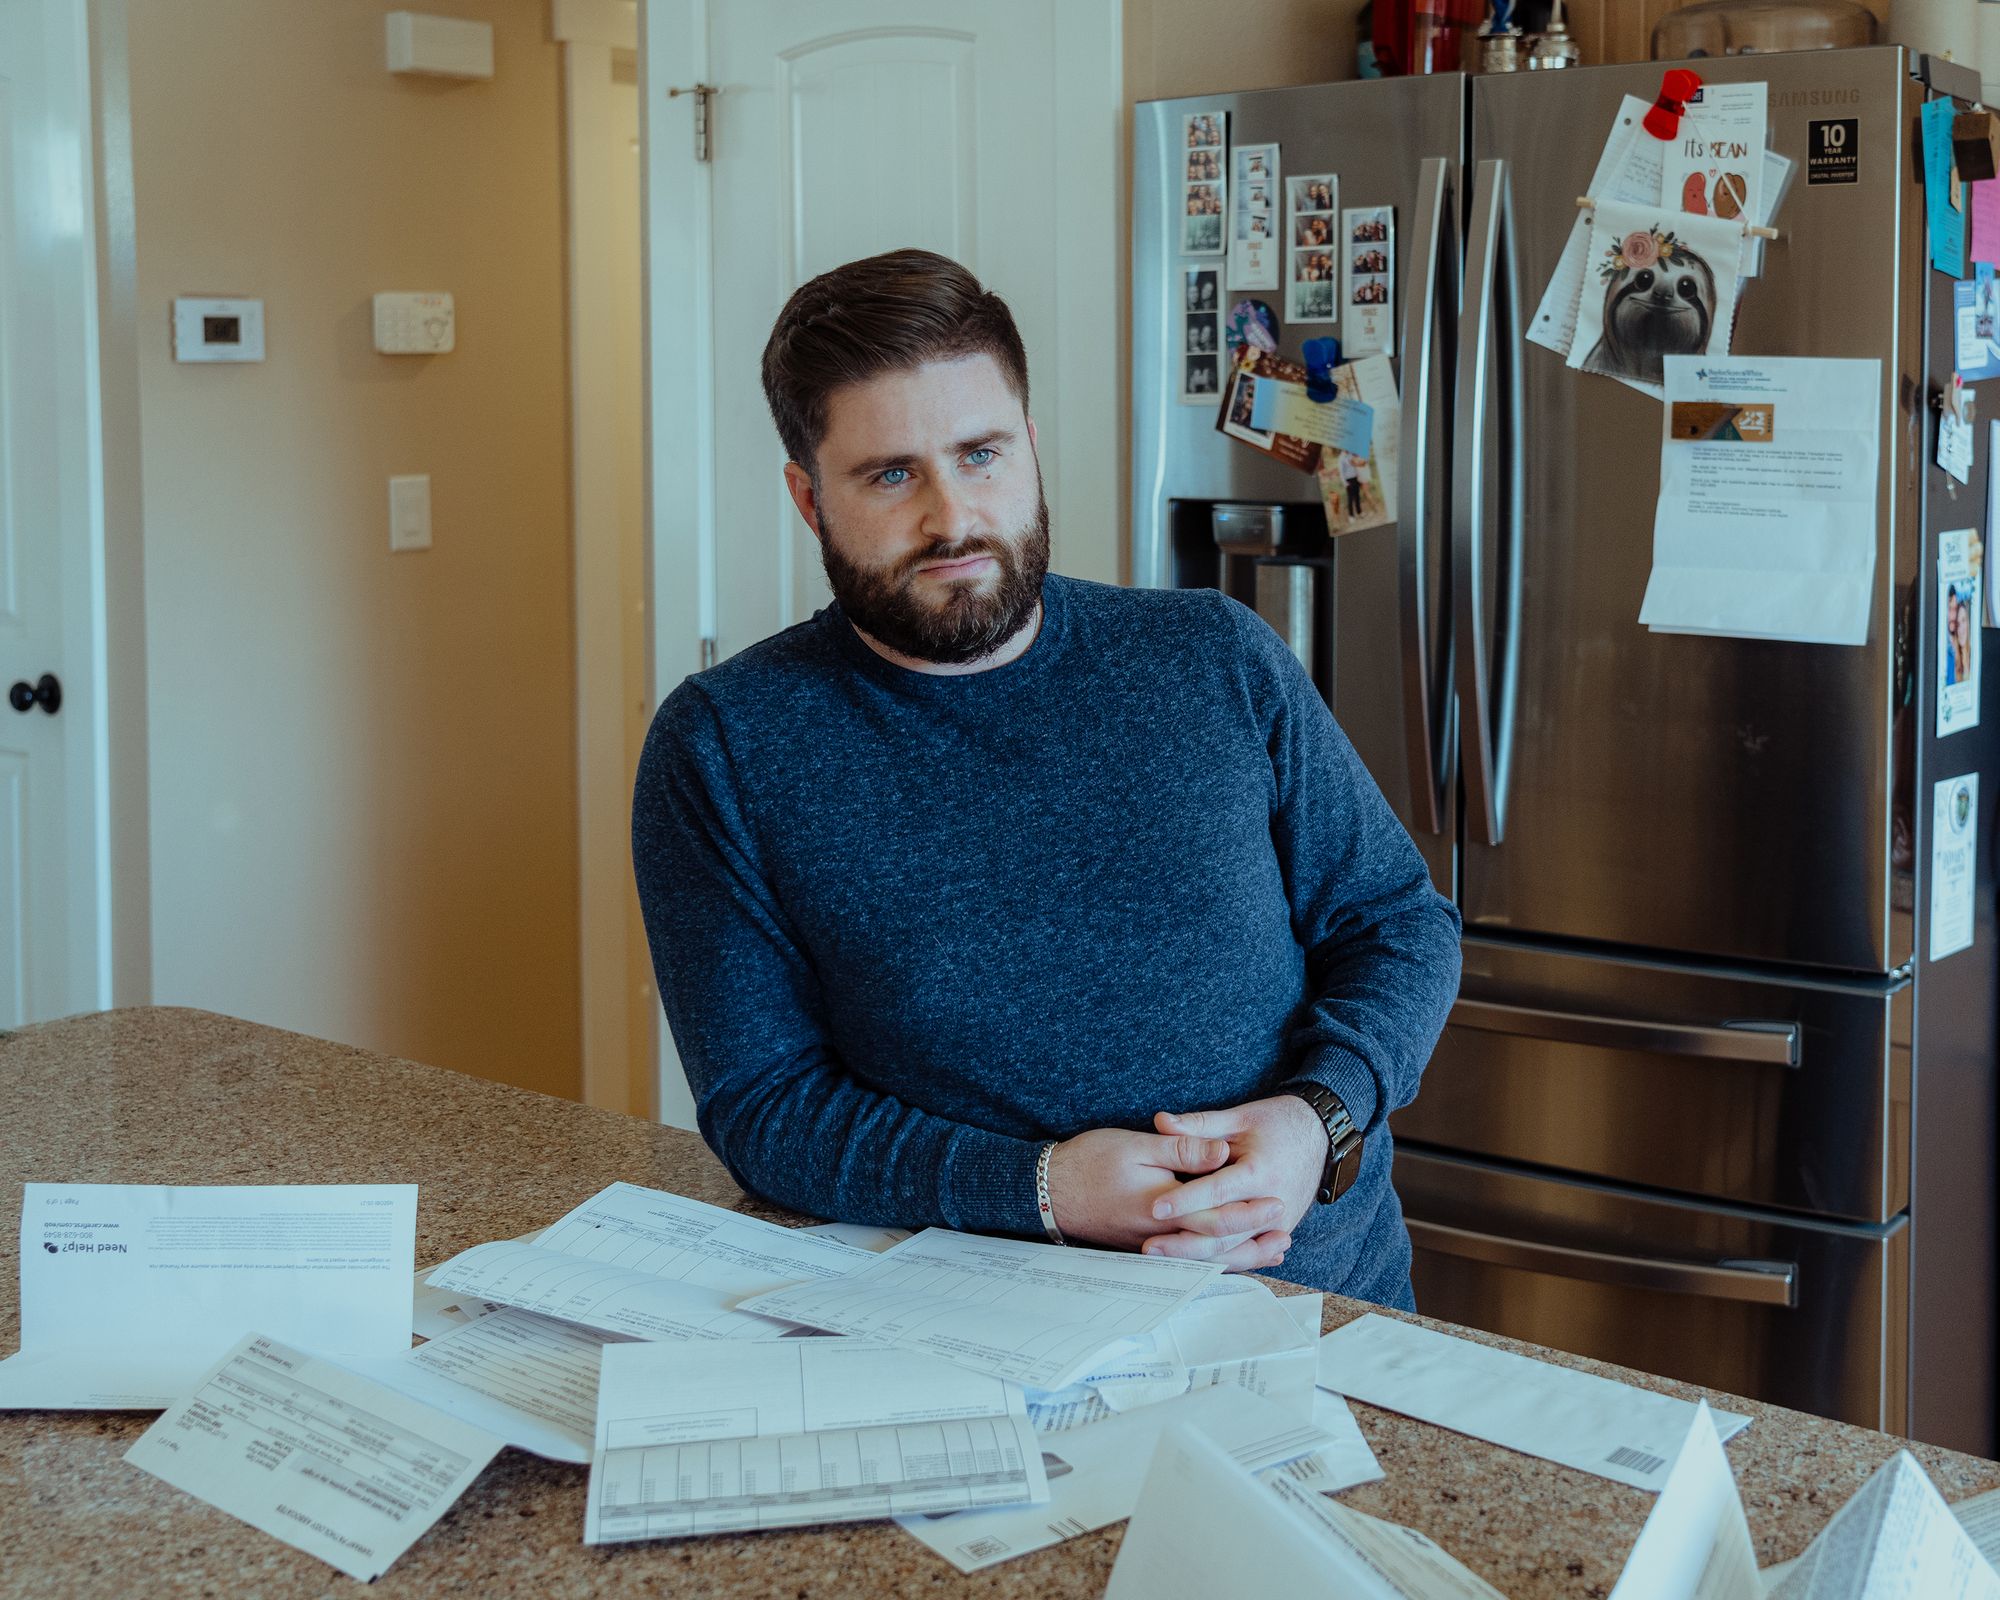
(1419, 36)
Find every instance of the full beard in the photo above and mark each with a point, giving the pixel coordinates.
(972, 618)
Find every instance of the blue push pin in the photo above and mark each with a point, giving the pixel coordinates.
(1321, 357)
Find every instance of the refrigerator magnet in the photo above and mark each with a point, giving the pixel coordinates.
(1201, 335)
(1254, 247)
(1312, 218)
(1368, 246)
(1959, 608)
(1204, 141)
(1954, 856)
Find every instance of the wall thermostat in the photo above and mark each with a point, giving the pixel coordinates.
(218, 330)
(414, 324)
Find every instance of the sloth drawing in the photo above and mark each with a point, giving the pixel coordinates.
(1659, 300)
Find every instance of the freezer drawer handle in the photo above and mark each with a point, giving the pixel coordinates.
(1761, 1283)
(1766, 1043)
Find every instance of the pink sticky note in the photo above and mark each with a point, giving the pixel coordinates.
(1985, 210)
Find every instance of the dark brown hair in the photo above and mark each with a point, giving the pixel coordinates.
(888, 313)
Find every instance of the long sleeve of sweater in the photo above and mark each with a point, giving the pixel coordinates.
(790, 1120)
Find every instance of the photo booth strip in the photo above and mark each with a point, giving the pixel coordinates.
(1204, 359)
(1312, 247)
(1205, 200)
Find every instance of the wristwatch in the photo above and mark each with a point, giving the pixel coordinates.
(1343, 1139)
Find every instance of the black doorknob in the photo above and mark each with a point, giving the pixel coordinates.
(47, 694)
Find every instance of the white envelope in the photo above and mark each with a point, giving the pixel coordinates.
(1576, 1418)
(130, 1292)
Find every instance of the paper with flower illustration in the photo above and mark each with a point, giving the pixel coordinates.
(1661, 284)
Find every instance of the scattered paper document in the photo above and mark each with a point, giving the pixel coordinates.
(530, 1381)
(438, 1311)
(1095, 1473)
(1696, 1541)
(1895, 1540)
(708, 1438)
(1200, 1515)
(650, 1265)
(130, 1292)
(1336, 1466)
(1980, 1517)
(1765, 527)
(1575, 1418)
(859, 1234)
(326, 1461)
(1236, 1333)
(1038, 1314)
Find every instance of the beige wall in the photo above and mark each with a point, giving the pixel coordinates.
(1184, 47)
(363, 765)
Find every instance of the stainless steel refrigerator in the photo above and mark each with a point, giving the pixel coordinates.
(1706, 1105)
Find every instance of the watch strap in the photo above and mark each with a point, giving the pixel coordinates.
(1343, 1139)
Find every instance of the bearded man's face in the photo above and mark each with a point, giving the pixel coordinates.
(933, 527)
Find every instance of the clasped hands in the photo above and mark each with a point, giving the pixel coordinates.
(1226, 1186)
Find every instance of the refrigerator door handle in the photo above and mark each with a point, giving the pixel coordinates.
(1764, 1043)
(1762, 1283)
(1491, 294)
(1436, 254)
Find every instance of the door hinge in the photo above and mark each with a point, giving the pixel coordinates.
(702, 93)
(707, 654)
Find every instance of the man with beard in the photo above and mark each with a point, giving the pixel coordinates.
(1001, 901)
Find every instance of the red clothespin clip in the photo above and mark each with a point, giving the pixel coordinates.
(1679, 86)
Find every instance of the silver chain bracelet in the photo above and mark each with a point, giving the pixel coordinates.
(1042, 1200)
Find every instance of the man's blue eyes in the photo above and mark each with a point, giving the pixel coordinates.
(896, 477)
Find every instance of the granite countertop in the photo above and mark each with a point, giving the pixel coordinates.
(173, 1096)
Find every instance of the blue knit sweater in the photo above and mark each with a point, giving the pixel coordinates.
(907, 927)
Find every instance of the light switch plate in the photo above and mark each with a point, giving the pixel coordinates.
(415, 324)
(410, 512)
(212, 329)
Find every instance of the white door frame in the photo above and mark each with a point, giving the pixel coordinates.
(1082, 370)
(95, 413)
(588, 31)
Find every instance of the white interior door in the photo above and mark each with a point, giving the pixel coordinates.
(47, 964)
(986, 130)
